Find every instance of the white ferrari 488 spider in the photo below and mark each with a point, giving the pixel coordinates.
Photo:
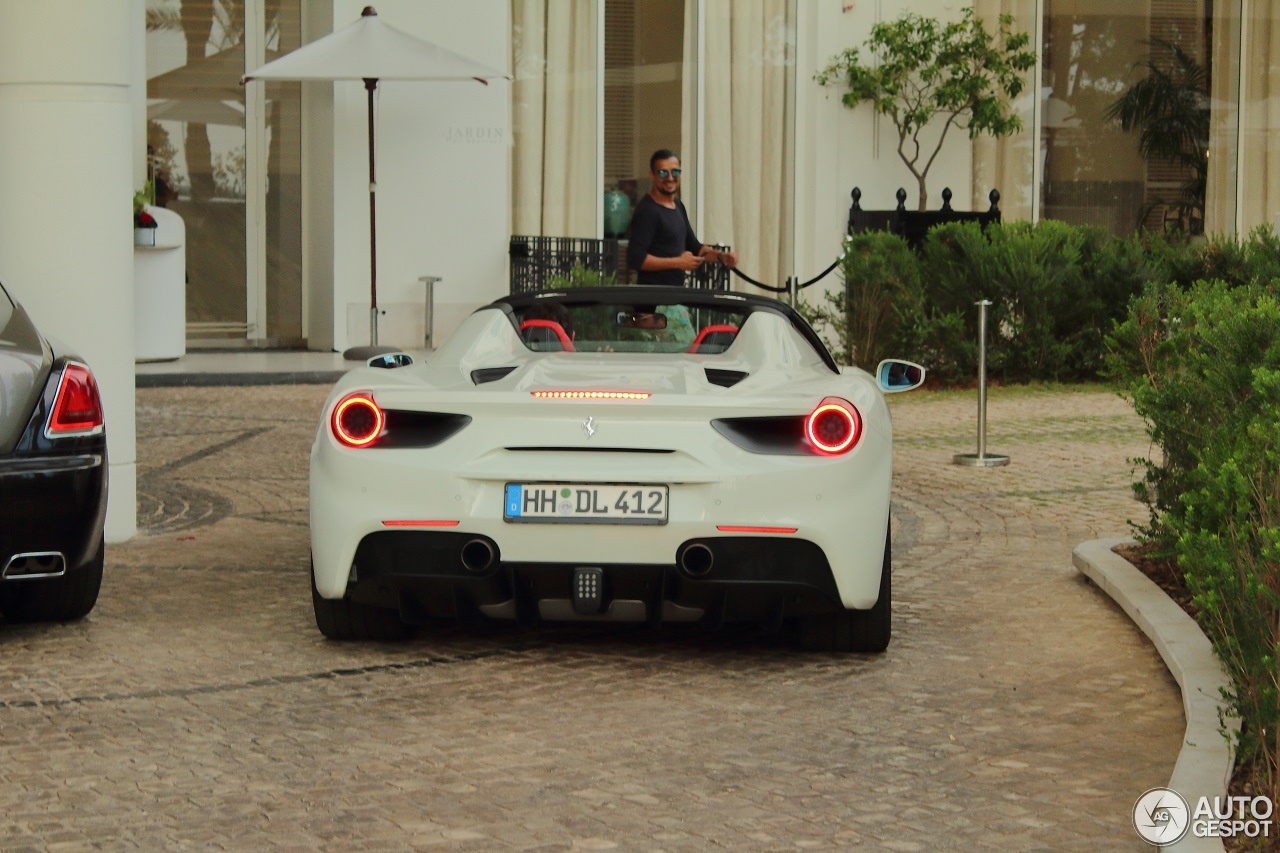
(624, 454)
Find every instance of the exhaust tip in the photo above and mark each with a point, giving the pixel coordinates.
(478, 555)
(35, 564)
(696, 559)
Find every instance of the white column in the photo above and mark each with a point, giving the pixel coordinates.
(66, 187)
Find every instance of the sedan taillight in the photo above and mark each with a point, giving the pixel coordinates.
(357, 420)
(834, 427)
(77, 406)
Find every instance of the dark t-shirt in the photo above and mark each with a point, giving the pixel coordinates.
(662, 232)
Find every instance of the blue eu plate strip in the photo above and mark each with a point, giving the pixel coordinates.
(513, 501)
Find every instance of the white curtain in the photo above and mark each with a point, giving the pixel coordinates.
(1260, 112)
(746, 162)
(1220, 182)
(688, 149)
(554, 118)
(1005, 164)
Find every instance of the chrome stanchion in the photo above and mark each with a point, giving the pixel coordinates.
(981, 459)
(430, 281)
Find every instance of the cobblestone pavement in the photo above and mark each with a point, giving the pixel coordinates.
(198, 707)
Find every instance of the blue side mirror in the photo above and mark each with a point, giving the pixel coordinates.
(895, 375)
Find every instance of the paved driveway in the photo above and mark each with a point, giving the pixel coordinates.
(198, 707)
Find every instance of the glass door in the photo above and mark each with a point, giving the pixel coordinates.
(199, 162)
(647, 103)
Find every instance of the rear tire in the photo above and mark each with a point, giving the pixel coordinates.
(855, 630)
(63, 599)
(344, 619)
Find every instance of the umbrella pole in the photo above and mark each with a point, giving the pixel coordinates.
(371, 83)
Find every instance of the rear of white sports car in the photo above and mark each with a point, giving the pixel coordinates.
(646, 479)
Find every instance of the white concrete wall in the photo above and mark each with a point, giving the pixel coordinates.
(838, 148)
(66, 185)
(443, 177)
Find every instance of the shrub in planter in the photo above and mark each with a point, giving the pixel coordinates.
(1222, 258)
(1202, 367)
(880, 293)
(1114, 272)
(581, 276)
(954, 264)
(1186, 359)
(1056, 291)
(1033, 274)
(1229, 548)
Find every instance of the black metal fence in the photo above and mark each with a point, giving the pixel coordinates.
(537, 261)
(912, 225)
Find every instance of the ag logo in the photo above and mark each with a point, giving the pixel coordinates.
(1161, 816)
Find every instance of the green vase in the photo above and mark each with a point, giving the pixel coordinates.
(617, 213)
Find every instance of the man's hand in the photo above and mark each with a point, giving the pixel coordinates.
(729, 259)
(687, 261)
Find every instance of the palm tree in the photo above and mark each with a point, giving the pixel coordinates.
(1169, 108)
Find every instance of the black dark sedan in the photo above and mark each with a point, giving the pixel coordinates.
(53, 475)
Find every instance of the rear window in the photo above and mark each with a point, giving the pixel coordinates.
(552, 325)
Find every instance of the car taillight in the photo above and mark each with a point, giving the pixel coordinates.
(566, 394)
(357, 420)
(77, 406)
(833, 427)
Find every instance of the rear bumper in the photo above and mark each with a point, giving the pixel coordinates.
(53, 504)
(747, 579)
(838, 505)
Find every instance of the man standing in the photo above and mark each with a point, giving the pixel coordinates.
(663, 246)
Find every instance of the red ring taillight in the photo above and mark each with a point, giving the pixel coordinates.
(834, 427)
(357, 420)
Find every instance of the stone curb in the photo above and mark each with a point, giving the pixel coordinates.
(206, 380)
(1204, 764)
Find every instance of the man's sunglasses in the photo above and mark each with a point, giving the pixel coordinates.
(668, 173)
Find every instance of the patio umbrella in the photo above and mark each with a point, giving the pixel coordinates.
(370, 50)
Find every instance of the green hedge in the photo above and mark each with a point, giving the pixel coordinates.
(1201, 364)
(1191, 333)
(1056, 290)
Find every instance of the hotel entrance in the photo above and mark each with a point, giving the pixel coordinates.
(227, 159)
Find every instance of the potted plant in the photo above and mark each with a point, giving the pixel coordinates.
(144, 224)
(1169, 109)
(920, 70)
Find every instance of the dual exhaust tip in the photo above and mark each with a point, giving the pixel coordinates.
(694, 559)
(35, 564)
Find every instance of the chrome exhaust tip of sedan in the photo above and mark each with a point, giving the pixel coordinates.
(478, 555)
(696, 559)
(35, 564)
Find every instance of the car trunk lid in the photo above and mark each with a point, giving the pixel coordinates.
(24, 368)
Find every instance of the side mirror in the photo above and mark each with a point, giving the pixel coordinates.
(894, 375)
(391, 359)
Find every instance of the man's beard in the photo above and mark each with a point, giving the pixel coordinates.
(669, 193)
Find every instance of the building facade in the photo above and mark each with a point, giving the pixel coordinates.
(268, 178)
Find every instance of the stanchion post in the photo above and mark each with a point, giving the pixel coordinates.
(982, 459)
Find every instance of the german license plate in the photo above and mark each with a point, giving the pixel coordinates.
(578, 503)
